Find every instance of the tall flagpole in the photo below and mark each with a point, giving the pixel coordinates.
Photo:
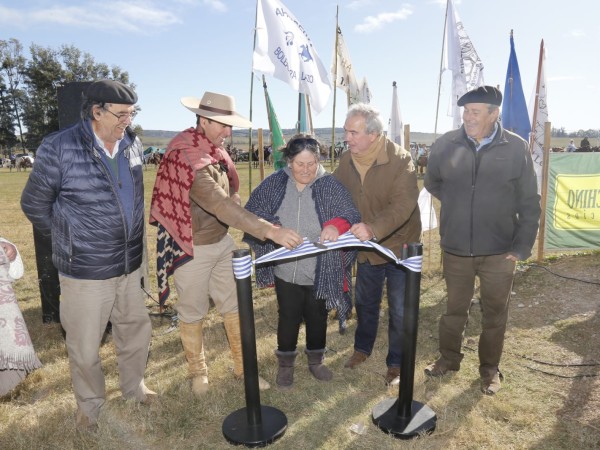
(437, 107)
(536, 98)
(250, 115)
(335, 57)
(541, 231)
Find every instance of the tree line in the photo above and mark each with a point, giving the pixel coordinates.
(561, 132)
(28, 89)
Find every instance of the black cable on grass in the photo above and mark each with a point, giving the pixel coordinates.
(594, 364)
(562, 276)
(585, 375)
(590, 364)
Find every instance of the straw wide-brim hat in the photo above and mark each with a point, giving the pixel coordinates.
(217, 107)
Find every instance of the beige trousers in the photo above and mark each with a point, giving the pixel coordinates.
(208, 275)
(86, 307)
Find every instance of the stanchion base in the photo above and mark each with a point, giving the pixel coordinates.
(422, 419)
(238, 431)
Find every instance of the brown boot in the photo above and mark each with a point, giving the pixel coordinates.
(392, 377)
(440, 368)
(491, 383)
(232, 328)
(193, 347)
(356, 359)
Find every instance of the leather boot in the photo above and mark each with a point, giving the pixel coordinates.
(193, 347)
(232, 329)
(285, 372)
(316, 366)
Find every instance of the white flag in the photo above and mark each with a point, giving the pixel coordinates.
(345, 78)
(395, 133)
(461, 58)
(284, 50)
(365, 92)
(428, 217)
(539, 110)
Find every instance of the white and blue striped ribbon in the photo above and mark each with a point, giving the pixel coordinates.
(242, 267)
(414, 263)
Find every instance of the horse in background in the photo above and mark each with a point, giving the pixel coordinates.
(154, 159)
(22, 163)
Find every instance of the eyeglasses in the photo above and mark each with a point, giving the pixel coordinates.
(305, 142)
(124, 116)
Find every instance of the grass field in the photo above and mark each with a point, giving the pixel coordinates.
(552, 320)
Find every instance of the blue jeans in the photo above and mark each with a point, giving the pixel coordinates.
(369, 292)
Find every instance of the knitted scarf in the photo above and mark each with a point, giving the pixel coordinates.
(170, 208)
(364, 162)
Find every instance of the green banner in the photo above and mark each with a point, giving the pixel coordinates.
(277, 140)
(573, 201)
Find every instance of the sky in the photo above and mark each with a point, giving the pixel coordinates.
(177, 48)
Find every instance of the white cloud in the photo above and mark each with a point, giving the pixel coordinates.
(372, 23)
(357, 4)
(110, 16)
(217, 5)
(576, 33)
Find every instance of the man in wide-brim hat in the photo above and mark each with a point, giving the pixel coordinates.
(490, 208)
(195, 200)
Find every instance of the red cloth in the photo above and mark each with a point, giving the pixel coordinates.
(342, 225)
(187, 153)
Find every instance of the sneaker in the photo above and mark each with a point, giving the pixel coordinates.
(440, 368)
(263, 385)
(149, 397)
(392, 377)
(489, 386)
(356, 359)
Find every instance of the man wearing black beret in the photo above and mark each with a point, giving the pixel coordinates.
(483, 176)
(86, 190)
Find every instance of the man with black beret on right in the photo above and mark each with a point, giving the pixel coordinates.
(86, 190)
(483, 176)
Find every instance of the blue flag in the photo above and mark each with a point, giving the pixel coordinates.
(515, 117)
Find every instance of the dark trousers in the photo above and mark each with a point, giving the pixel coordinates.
(369, 293)
(47, 277)
(297, 303)
(495, 274)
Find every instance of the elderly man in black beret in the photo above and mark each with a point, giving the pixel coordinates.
(483, 175)
(87, 191)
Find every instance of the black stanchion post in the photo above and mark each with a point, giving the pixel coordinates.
(403, 417)
(47, 277)
(255, 425)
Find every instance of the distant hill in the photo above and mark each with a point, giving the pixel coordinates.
(160, 138)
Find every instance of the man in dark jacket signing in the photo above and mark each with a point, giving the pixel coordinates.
(483, 175)
(86, 190)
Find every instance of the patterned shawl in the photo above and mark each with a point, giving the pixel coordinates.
(17, 356)
(333, 272)
(187, 153)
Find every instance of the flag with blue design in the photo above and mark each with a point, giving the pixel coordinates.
(515, 117)
(284, 49)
